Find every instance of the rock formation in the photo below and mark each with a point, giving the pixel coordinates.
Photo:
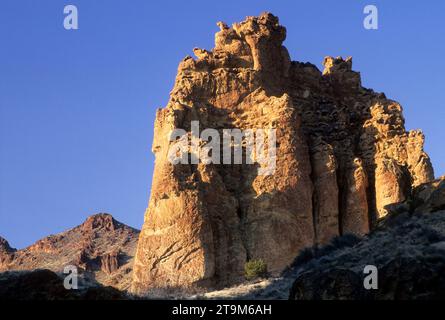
(407, 246)
(342, 156)
(6, 252)
(102, 248)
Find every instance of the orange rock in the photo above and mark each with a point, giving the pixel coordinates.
(342, 155)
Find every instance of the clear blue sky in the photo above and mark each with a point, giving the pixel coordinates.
(77, 107)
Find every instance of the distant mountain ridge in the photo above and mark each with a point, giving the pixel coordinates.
(101, 247)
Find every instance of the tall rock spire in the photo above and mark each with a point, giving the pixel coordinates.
(342, 155)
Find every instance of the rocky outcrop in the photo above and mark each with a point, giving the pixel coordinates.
(6, 252)
(342, 155)
(5, 247)
(429, 197)
(110, 262)
(102, 248)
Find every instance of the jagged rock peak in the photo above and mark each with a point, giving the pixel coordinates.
(5, 247)
(332, 64)
(342, 156)
(101, 247)
(99, 221)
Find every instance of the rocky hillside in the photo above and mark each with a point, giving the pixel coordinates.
(407, 247)
(101, 247)
(342, 156)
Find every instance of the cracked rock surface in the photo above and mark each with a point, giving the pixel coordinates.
(343, 155)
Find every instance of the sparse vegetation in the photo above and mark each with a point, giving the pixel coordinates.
(347, 240)
(254, 269)
(310, 253)
(306, 255)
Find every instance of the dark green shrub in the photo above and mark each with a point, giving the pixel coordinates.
(310, 254)
(346, 240)
(306, 255)
(255, 269)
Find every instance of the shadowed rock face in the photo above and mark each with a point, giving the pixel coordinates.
(47, 285)
(342, 155)
(5, 247)
(5, 252)
(417, 278)
(102, 248)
